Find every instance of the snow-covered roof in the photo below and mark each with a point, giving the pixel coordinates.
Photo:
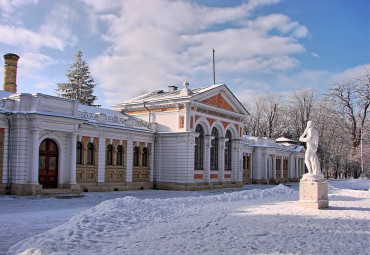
(4, 94)
(270, 143)
(160, 95)
(197, 96)
(285, 140)
(110, 118)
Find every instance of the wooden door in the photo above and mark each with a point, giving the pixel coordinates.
(48, 164)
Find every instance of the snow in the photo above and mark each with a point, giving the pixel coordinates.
(258, 219)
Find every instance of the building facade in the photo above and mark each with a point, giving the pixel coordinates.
(186, 139)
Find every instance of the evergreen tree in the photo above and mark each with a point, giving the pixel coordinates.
(81, 84)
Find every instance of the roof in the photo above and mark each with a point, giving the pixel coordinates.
(285, 140)
(4, 94)
(160, 95)
(196, 95)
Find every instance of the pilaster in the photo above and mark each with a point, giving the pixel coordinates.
(72, 165)
(221, 159)
(101, 160)
(207, 158)
(129, 159)
(34, 175)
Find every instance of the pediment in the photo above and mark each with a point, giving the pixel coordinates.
(221, 97)
(218, 101)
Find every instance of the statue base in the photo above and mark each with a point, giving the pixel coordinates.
(313, 191)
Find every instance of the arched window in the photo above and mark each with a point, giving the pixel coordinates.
(109, 156)
(228, 150)
(78, 153)
(136, 156)
(199, 148)
(90, 154)
(144, 157)
(214, 150)
(119, 158)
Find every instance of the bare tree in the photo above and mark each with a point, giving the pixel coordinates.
(350, 100)
(300, 110)
(272, 108)
(265, 113)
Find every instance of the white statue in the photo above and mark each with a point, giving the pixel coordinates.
(311, 137)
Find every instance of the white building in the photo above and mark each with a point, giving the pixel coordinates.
(184, 139)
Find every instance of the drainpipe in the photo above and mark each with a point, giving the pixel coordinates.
(8, 185)
(150, 113)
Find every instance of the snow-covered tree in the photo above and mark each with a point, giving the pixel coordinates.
(81, 84)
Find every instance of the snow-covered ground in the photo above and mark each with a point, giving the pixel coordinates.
(254, 220)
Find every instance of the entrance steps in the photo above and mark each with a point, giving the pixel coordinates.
(60, 193)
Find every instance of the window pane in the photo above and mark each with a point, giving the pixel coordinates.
(90, 154)
(136, 156)
(52, 163)
(78, 153)
(42, 160)
(199, 148)
(119, 156)
(145, 157)
(43, 146)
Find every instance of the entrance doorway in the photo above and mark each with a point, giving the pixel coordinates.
(48, 164)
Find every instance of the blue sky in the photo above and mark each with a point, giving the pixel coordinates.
(262, 46)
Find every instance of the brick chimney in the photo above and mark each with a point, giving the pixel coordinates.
(10, 72)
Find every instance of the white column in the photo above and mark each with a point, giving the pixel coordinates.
(72, 166)
(266, 167)
(296, 168)
(274, 167)
(129, 160)
(237, 175)
(281, 167)
(221, 161)
(34, 177)
(101, 160)
(207, 158)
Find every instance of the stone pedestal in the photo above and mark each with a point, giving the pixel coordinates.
(313, 191)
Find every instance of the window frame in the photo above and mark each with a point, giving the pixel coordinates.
(79, 153)
(109, 155)
(228, 151)
(144, 157)
(135, 161)
(90, 157)
(199, 148)
(119, 156)
(214, 149)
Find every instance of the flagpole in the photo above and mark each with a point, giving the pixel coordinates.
(214, 69)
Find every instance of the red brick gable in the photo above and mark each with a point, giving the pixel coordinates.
(219, 101)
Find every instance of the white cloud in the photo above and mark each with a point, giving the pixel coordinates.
(315, 79)
(315, 55)
(281, 23)
(27, 39)
(59, 22)
(351, 73)
(160, 42)
(318, 80)
(9, 6)
(30, 62)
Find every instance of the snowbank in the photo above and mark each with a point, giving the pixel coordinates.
(355, 184)
(111, 221)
